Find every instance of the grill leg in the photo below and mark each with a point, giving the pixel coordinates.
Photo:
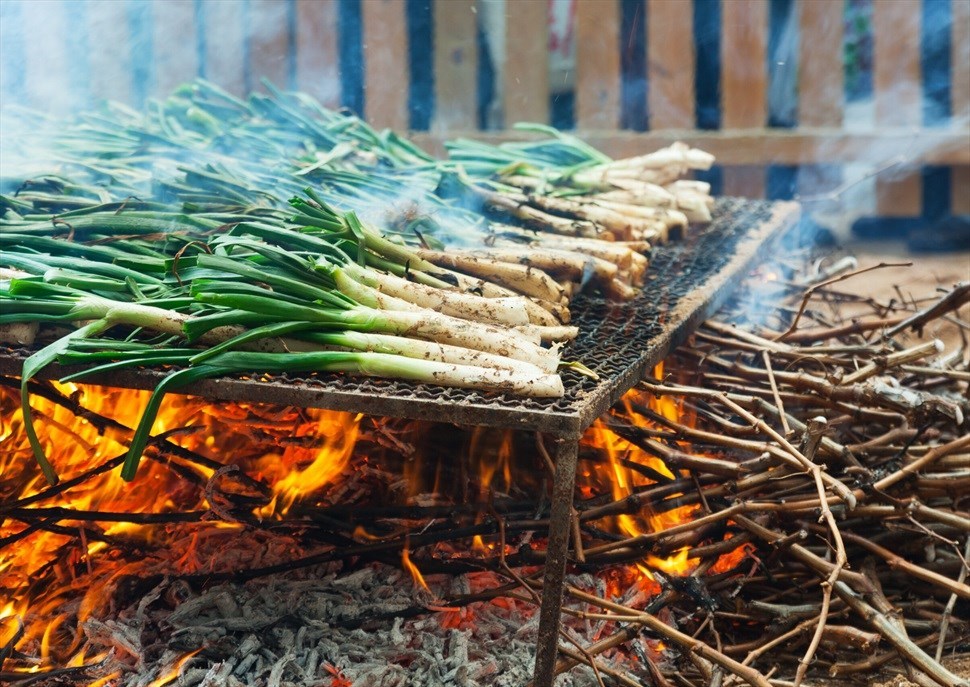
(566, 451)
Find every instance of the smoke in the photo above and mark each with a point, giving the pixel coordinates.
(66, 56)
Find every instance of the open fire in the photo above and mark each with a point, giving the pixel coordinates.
(231, 488)
(261, 541)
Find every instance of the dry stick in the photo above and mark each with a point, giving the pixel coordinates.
(801, 628)
(948, 610)
(614, 640)
(927, 460)
(814, 431)
(793, 455)
(748, 337)
(959, 296)
(882, 363)
(880, 394)
(774, 391)
(811, 291)
(841, 331)
(873, 662)
(717, 516)
(749, 675)
(813, 561)
(903, 644)
(897, 562)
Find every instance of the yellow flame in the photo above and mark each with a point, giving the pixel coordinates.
(173, 672)
(412, 568)
(103, 681)
(338, 432)
(623, 480)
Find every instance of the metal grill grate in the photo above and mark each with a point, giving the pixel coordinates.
(687, 281)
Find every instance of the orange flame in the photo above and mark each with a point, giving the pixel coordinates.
(309, 449)
(412, 568)
(173, 672)
(622, 457)
(102, 682)
(292, 480)
(294, 454)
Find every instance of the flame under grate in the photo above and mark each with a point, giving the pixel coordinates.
(687, 280)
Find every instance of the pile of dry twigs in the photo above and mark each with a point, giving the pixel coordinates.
(831, 439)
(819, 459)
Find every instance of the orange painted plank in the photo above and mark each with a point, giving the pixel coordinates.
(597, 27)
(317, 60)
(898, 99)
(670, 64)
(225, 45)
(746, 182)
(744, 69)
(455, 65)
(268, 44)
(173, 44)
(960, 58)
(46, 78)
(744, 84)
(106, 21)
(821, 73)
(386, 61)
(938, 145)
(960, 97)
(525, 78)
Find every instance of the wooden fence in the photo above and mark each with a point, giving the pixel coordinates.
(58, 53)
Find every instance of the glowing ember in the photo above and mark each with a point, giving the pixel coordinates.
(217, 480)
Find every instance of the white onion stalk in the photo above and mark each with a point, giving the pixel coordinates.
(428, 350)
(425, 324)
(555, 262)
(372, 298)
(670, 217)
(511, 311)
(524, 279)
(550, 334)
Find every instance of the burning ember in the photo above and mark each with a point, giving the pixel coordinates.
(700, 544)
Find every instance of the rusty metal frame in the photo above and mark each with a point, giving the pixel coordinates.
(565, 420)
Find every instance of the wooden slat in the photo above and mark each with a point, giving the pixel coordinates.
(747, 181)
(897, 92)
(108, 66)
(744, 69)
(765, 146)
(821, 82)
(597, 27)
(670, 64)
(386, 63)
(225, 45)
(46, 76)
(960, 97)
(525, 75)
(455, 65)
(175, 59)
(317, 60)
(268, 43)
(744, 83)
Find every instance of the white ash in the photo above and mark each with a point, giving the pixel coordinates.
(284, 632)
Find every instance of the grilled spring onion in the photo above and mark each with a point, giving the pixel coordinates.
(370, 364)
